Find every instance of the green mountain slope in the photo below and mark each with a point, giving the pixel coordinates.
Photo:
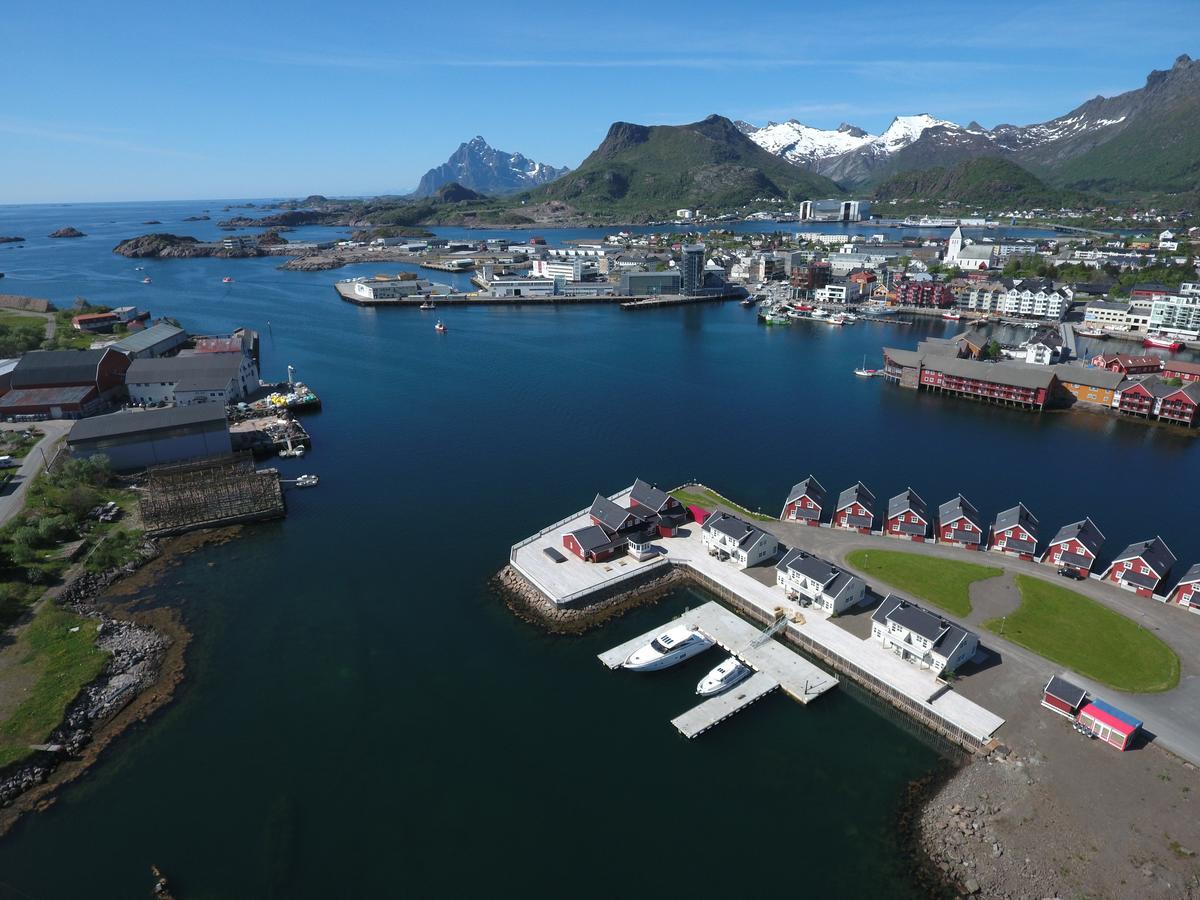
(657, 169)
(984, 181)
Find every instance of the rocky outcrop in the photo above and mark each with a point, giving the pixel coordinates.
(176, 246)
(10, 239)
(290, 219)
(67, 232)
(152, 222)
(196, 218)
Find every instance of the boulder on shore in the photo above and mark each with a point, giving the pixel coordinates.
(67, 232)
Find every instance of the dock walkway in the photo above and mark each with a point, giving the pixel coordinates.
(699, 719)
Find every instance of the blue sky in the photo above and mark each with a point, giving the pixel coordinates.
(131, 100)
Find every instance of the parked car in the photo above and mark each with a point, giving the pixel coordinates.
(1068, 572)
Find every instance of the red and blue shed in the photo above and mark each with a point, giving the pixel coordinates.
(1110, 724)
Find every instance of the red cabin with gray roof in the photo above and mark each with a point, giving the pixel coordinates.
(593, 543)
(1075, 547)
(805, 502)
(855, 509)
(1187, 592)
(959, 524)
(1062, 697)
(1128, 364)
(612, 516)
(907, 517)
(657, 508)
(1015, 531)
(1141, 567)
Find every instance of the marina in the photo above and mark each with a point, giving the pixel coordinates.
(774, 664)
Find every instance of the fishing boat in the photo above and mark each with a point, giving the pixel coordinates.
(1164, 343)
(226, 280)
(1091, 333)
(951, 316)
(723, 677)
(671, 647)
(428, 304)
(146, 280)
(306, 481)
(863, 372)
(440, 328)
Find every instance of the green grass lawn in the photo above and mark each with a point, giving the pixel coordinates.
(707, 499)
(1077, 632)
(17, 319)
(943, 582)
(67, 661)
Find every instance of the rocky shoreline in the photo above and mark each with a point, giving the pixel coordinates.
(147, 661)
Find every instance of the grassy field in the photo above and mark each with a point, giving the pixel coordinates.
(943, 582)
(67, 660)
(707, 499)
(14, 319)
(1089, 638)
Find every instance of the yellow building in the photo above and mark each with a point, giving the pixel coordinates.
(1088, 384)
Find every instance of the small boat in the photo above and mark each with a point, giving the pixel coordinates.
(1091, 333)
(1164, 343)
(440, 328)
(226, 280)
(749, 301)
(723, 677)
(306, 481)
(146, 280)
(951, 317)
(428, 304)
(863, 372)
(671, 647)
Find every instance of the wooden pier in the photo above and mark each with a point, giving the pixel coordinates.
(209, 493)
(774, 664)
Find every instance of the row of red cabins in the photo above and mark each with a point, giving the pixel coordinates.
(1142, 567)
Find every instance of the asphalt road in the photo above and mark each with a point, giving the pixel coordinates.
(12, 498)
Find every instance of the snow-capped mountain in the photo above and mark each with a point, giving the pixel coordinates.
(481, 167)
(852, 156)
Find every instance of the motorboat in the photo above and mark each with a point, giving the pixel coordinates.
(440, 327)
(1164, 343)
(226, 280)
(723, 677)
(951, 317)
(1091, 333)
(428, 304)
(671, 647)
(146, 280)
(749, 301)
(307, 481)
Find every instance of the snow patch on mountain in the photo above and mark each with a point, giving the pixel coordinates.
(800, 143)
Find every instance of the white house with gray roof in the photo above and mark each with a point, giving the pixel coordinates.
(728, 537)
(826, 586)
(921, 637)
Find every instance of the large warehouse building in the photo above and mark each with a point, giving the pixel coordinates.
(134, 439)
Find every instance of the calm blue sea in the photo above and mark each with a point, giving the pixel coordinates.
(362, 717)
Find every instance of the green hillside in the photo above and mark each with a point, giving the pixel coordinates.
(654, 170)
(984, 181)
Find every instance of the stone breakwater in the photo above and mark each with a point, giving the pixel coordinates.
(531, 605)
(137, 653)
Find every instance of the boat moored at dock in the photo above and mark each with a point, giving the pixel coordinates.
(670, 648)
(723, 677)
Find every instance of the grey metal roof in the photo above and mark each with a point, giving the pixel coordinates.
(810, 487)
(1017, 515)
(884, 609)
(908, 501)
(966, 537)
(811, 567)
(140, 341)
(744, 533)
(609, 514)
(1146, 581)
(1020, 546)
(918, 621)
(57, 367)
(1090, 376)
(842, 582)
(911, 528)
(857, 492)
(648, 495)
(957, 508)
(207, 368)
(1011, 374)
(860, 521)
(593, 537)
(1063, 690)
(1075, 559)
(944, 634)
(145, 421)
(909, 359)
(1085, 531)
(1191, 575)
(1155, 553)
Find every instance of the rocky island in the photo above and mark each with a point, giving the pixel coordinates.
(67, 232)
(10, 239)
(178, 246)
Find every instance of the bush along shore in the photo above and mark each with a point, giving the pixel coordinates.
(136, 653)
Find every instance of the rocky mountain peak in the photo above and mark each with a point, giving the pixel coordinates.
(478, 167)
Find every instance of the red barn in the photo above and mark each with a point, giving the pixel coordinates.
(907, 517)
(855, 509)
(1141, 567)
(65, 384)
(1075, 546)
(1127, 364)
(959, 524)
(805, 502)
(1111, 725)
(1015, 531)
(1187, 592)
(1062, 697)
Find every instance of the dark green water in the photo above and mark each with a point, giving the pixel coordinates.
(361, 717)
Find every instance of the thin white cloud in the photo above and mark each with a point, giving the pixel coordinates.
(60, 135)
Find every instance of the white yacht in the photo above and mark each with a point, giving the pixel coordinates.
(723, 677)
(672, 646)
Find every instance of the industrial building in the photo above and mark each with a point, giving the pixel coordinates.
(135, 439)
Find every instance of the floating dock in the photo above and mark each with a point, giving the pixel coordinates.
(774, 664)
